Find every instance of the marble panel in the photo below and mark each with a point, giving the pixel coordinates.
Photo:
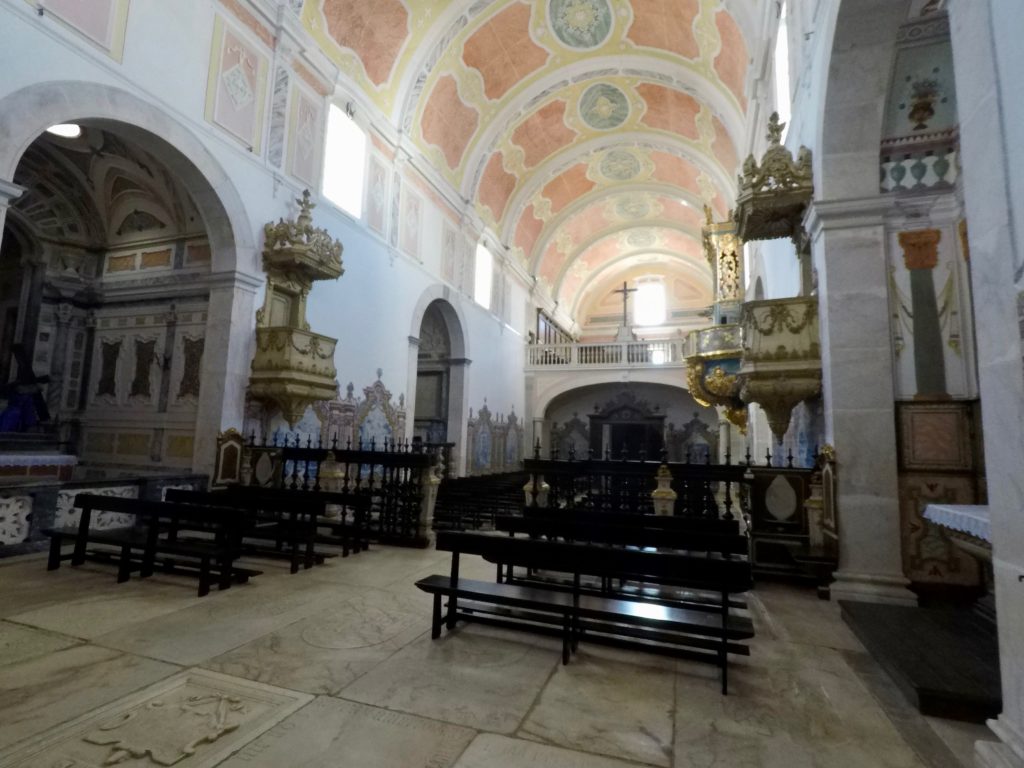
(489, 750)
(462, 677)
(194, 720)
(785, 717)
(15, 519)
(91, 613)
(222, 621)
(28, 585)
(39, 694)
(608, 707)
(318, 734)
(19, 643)
(328, 650)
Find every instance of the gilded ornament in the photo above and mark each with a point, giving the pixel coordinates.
(293, 367)
(774, 193)
(718, 382)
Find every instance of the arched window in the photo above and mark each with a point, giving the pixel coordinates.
(483, 276)
(649, 305)
(783, 94)
(344, 162)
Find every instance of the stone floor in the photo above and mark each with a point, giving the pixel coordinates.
(335, 667)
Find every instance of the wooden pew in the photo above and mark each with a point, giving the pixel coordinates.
(709, 636)
(292, 523)
(351, 536)
(643, 531)
(153, 535)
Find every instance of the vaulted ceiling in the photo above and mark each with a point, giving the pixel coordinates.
(588, 134)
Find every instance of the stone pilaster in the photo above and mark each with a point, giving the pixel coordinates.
(227, 355)
(849, 250)
(987, 60)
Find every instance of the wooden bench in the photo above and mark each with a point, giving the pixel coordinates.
(706, 635)
(291, 523)
(153, 535)
(634, 531)
(351, 536)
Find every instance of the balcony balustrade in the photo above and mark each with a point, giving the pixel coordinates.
(632, 354)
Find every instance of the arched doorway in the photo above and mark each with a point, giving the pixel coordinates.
(438, 376)
(433, 378)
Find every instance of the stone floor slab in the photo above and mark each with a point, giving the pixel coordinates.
(598, 705)
(43, 692)
(784, 718)
(328, 650)
(334, 734)
(92, 614)
(490, 751)
(192, 720)
(464, 678)
(18, 643)
(223, 621)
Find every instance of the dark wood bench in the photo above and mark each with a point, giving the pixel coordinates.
(290, 524)
(708, 636)
(152, 541)
(348, 531)
(634, 531)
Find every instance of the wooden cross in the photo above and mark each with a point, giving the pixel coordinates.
(625, 299)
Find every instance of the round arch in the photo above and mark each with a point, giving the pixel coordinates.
(442, 298)
(27, 113)
(24, 116)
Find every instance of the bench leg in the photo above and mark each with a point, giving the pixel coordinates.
(204, 576)
(226, 566)
(124, 565)
(566, 635)
(53, 563)
(435, 622)
(723, 653)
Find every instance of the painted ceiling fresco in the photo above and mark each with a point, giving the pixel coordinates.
(560, 120)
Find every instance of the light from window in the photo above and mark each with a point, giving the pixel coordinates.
(649, 304)
(783, 104)
(66, 130)
(344, 162)
(657, 355)
(484, 274)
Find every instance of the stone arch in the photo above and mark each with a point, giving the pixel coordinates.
(863, 34)
(27, 113)
(442, 299)
(24, 116)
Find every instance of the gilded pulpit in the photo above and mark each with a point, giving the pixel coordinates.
(294, 367)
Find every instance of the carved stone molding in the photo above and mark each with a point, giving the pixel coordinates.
(920, 248)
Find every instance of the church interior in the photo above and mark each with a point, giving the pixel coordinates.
(652, 347)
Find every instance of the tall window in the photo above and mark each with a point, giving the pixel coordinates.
(649, 303)
(783, 97)
(484, 275)
(344, 162)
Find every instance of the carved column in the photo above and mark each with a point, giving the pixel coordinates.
(849, 249)
(921, 254)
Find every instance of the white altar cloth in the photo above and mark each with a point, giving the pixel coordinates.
(972, 519)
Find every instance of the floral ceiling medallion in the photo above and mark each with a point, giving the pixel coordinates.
(604, 107)
(620, 165)
(580, 24)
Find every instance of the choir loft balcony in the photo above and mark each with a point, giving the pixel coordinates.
(606, 355)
